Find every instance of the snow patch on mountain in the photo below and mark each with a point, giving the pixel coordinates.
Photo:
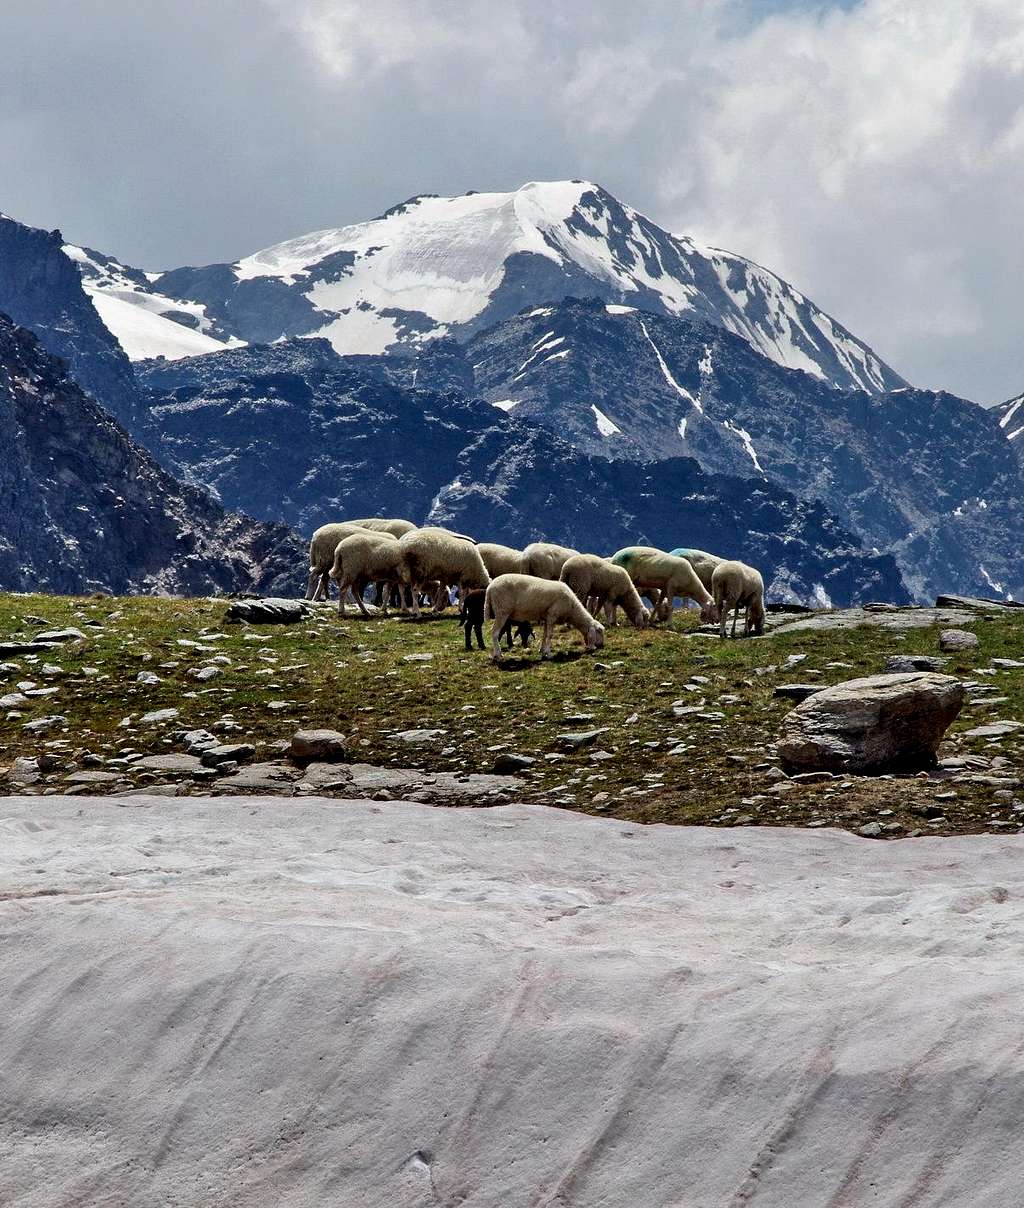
(605, 426)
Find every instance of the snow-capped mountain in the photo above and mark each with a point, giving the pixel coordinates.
(436, 266)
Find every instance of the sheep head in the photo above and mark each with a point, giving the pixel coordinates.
(709, 613)
(595, 636)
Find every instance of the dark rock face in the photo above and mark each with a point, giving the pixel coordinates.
(921, 474)
(40, 288)
(292, 431)
(83, 508)
(1011, 419)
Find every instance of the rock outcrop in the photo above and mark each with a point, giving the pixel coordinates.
(874, 724)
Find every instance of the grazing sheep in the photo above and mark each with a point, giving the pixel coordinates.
(527, 598)
(662, 577)
(606, 586)
(737, 586)
(434, 554)
(500, 559)
(701, 561)
(368, 557)
(544, 560)
(471, 618)
(321, 553)
(397, 528)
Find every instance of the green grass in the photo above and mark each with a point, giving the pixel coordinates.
(350, 675)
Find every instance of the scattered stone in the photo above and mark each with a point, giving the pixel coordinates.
(42, 724)
(508, 763)
(773, 775)
(873, 724)
(996, 729)
(979, 602)
(1007, 663)
(417, 738)
(870, 830)
(24, 771)
(171, 762)
(812, 777)
(417, 658)
(56, 636)
(323, 746)
(574, 741)
(957, 639)
(204, 674)
(796, 692)
(148, 678)
(157, 716)
(227, 753)
(276, 778)
(914, 662)
(93, 777)
(269, 611)
(13, 700)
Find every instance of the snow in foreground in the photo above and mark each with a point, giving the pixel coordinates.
(259, 1002)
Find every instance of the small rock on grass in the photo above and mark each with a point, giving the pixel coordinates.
(508, 763)
(957, 639)
(582, 738)
(321, 746)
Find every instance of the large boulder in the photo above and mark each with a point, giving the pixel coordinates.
(875, 724)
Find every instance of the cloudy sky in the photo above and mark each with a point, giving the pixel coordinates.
(869, 151)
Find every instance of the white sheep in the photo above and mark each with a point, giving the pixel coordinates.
(544, 559)
(321, 553)
(397, 528)
(604, 585)
(737, 586)
(519, 598)
(500, 559)
(436, 555)
(662, 577)
(701, 561)
(364, 558)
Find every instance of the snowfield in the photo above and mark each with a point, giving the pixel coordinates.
(250, 1001)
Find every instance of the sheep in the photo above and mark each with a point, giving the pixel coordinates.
(321, 553)
(527, 598)
(662, 577)
(737, 586)
(397, 528)
(607, 585)
(368, 557)
(545, 560)
(471, 618)
(435, 554)
(500, 559)
(701, 561)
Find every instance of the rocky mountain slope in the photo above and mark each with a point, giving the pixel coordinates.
(1011, 419)
(41, 289)
(292, 431)
(84, 508)
(456, 265)
(920, 473)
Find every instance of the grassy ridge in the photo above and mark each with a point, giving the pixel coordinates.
(650, 765)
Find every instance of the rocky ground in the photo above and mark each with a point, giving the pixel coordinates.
(122, 696)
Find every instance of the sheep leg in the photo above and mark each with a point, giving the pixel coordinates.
(498, 624)
(478, 630)
(358, 590)
(312, 582)
(416, 601)
(545, 646)
(735, 618)
(723, 618)
(342, 593)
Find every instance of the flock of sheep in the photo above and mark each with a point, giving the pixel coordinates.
(544, 584)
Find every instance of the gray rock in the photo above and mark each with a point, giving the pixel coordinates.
(24, 771)
(204, 674)
(508, 763)
(796, 692)
(996, 729)
(270, 611)
(56, 636)
(224, 753)
(1007, 663)
(979, 602)
(93, 777)
(156, 716)
(874, 724)
(149, 678)
(417, 658)
(901, 618)
(957, 639)
(870, 830)
(573, 741)
(417, 738)
(25, 647)
(42, 724)
(914, 662)
(323, 746)
(13, 700)
(171, 762)
(277, 779)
